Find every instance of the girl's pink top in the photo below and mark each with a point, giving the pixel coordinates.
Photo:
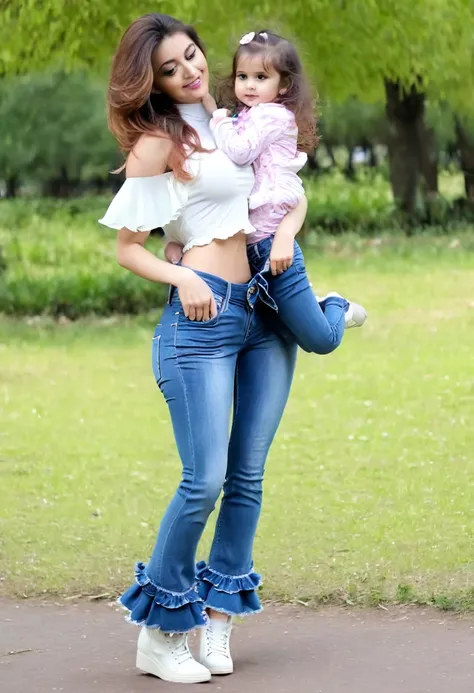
(265, 136)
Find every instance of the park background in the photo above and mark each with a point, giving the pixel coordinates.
(370, 482)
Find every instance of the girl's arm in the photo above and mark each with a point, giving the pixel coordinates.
(263, 125)
(281, 255)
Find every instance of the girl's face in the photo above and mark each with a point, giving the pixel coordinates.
(181, 70)
(256, 83)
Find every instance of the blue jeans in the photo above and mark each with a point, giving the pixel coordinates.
(318, 327)
(235, 364)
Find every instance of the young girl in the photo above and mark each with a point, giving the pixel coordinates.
(274, 118)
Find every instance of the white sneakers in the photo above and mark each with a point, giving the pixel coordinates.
(356, 314)
(215, 646)
(168, 656)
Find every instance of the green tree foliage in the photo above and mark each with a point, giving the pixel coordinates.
(350, 47)
(374, 50)
(53, 125)
(352, 122)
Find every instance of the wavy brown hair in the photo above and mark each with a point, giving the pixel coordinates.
(133, 107)
(282, 55)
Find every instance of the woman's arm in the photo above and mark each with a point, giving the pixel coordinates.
(132, 255)
(281, 255)
(150, 158)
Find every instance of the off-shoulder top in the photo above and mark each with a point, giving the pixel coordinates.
(213, 205)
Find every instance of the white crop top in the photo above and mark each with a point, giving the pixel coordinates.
(214, 205)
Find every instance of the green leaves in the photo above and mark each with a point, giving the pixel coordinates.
(348, 47)
(53, 121)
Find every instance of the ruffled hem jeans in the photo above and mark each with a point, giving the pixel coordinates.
(234, 365)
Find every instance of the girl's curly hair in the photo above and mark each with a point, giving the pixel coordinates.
(282, 55)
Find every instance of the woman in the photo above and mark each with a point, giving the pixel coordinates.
(215, 349)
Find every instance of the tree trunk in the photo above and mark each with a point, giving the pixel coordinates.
(98, 184)
(59, 186)
(116, 180)
(349, 170)
(64, 183)
(12, 185)
(429, 162)
(465, 144)
(313, 164)
(330, 152)
(428, 154)
(372, 154)
(405, 110)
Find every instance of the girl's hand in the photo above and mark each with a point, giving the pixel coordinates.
(281, 255)
(209, 103)
(196, 297)
(173, 252)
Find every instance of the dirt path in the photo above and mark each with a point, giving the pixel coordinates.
(88, 647)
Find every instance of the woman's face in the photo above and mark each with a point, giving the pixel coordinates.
(181, 70)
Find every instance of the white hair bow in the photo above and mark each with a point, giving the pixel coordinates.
(250, 37)
(247, 38)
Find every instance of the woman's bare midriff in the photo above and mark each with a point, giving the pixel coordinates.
(226, 259)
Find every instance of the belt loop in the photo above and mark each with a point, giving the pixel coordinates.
(171, 289)
(228, 294)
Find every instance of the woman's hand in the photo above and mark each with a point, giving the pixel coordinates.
(209, 103)
(173, 252)
(196, 297)
(281, 255)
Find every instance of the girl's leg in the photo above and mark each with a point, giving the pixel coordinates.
(263, 378)
(194, 364)
(317, 328)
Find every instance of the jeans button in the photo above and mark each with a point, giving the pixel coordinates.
(252, 290)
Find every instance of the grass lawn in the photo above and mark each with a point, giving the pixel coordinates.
(369, 488)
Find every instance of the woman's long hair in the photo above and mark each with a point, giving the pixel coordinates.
(133, 107)
(283, 57)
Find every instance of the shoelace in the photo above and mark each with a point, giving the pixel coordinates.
(180, 651)
(217, 642)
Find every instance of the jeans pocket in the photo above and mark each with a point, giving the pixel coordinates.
(220, 306)
(156, 357)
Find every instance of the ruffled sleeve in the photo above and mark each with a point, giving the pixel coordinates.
(146, 203)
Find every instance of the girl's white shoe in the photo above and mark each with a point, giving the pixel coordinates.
(215, 646)
(356, 314)
(167, 656)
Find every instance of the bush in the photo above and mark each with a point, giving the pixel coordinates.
(65, 264)
(55, 259)
(366, 206)
(336, 205)
(27, 212)
(79, 294)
